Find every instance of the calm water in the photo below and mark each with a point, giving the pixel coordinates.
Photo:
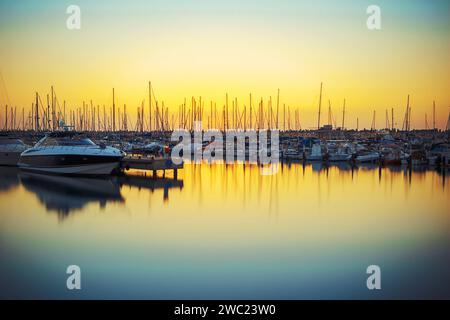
(227, 232)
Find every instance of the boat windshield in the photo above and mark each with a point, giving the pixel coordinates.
(66, 142)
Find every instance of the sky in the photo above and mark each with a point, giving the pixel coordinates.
(209, 48)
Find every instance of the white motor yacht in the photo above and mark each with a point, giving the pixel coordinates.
(70, 153)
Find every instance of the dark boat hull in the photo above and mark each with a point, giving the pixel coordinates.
(70, 164)
(9, 158)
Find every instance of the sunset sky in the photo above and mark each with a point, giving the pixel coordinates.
(208, 48)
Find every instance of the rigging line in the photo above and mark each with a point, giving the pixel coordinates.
(41, 104)
(59, 112)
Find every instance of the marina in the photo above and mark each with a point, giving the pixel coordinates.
(152, 151)
(224, 157)
(119, 144)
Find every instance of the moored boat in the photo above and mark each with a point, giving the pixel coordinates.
(292, 154)
(340, 153)
(10, 150)
(70, 153)
(368, 157)
(315, 154)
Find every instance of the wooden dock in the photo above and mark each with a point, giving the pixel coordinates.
(151, 164)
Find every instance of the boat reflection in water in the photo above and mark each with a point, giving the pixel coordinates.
(142, 181)
(66, 194)
(8, 178)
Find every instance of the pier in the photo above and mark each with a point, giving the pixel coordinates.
(151, 164)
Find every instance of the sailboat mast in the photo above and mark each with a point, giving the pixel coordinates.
(150, 103)
(434, 115)
(37, 111)
(278, 105)
(392, 118)
(114, 114)
(320, 105)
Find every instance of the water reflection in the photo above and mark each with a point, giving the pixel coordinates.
(144, 182)
(226, 231)
(66, 194)
(8, 178)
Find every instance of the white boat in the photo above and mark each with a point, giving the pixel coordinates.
(292, 154)
(368, 157)
(342, 153)
(10, 150)
(316, 153)
(70, 154)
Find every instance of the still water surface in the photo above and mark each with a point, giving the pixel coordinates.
(227, 232)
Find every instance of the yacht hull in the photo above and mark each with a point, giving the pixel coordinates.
(314, 158)
(9, 158)
(367, 158)
(70, 164)
(337, 158)
(86, 169)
